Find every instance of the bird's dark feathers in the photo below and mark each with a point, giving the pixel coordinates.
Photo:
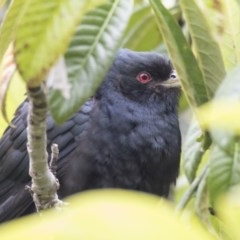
(126, 136)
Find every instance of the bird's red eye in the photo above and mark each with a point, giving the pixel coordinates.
(144, 77)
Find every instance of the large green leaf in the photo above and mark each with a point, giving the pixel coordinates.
(230, 42)
(181, 55)
(44, 31)
(90, 55)
(224, 169)
(11, 23)
(207, 50)
(108, 215)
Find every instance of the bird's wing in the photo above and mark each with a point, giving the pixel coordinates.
(14, 157)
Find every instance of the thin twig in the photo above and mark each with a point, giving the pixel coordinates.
(54, 158)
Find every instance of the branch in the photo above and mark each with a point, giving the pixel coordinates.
(44, 183)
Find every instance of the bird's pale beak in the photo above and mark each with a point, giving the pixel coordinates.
(172, 82)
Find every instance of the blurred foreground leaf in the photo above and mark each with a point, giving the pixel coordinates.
(223, 114)
(107, 214)
(228, 208)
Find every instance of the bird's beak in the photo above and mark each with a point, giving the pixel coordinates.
(172, 82)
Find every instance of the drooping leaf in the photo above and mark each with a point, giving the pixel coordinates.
(90, 54)
(231, 33)
(11, 23)
(43, 34)
(181, 55)
(206, 48)
(224, 169)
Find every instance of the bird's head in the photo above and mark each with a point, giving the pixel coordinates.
(143, 77)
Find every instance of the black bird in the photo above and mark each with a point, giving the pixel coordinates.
(126, 136)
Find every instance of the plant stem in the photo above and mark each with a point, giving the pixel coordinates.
(44, 184)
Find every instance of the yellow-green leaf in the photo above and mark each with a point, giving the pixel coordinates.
(228, 208)
(181, 55)
(90, 55)
(221, 115)
(43, 34)
(10, 24)
(108, 215)
(230, 41)
(206, 48)
(8, 69)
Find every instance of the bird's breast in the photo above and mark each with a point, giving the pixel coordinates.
(128, 149)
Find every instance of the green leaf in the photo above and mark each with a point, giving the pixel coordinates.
(181, 55)
(108, 215)
(194, 147)
(231, 35)
(228, 210)
(2, 2)
(8, 69)
(207, 50)
(44, 32)
(139, 11)
(224, 169)
(221, 116)
(135, 37)
(90, 55)
(13, 100)
(11, 23)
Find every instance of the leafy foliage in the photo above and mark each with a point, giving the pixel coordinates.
(89, 55)
(206, 48)
(190, 75)
(203, 42)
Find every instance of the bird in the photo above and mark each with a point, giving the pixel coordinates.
(125, 136)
